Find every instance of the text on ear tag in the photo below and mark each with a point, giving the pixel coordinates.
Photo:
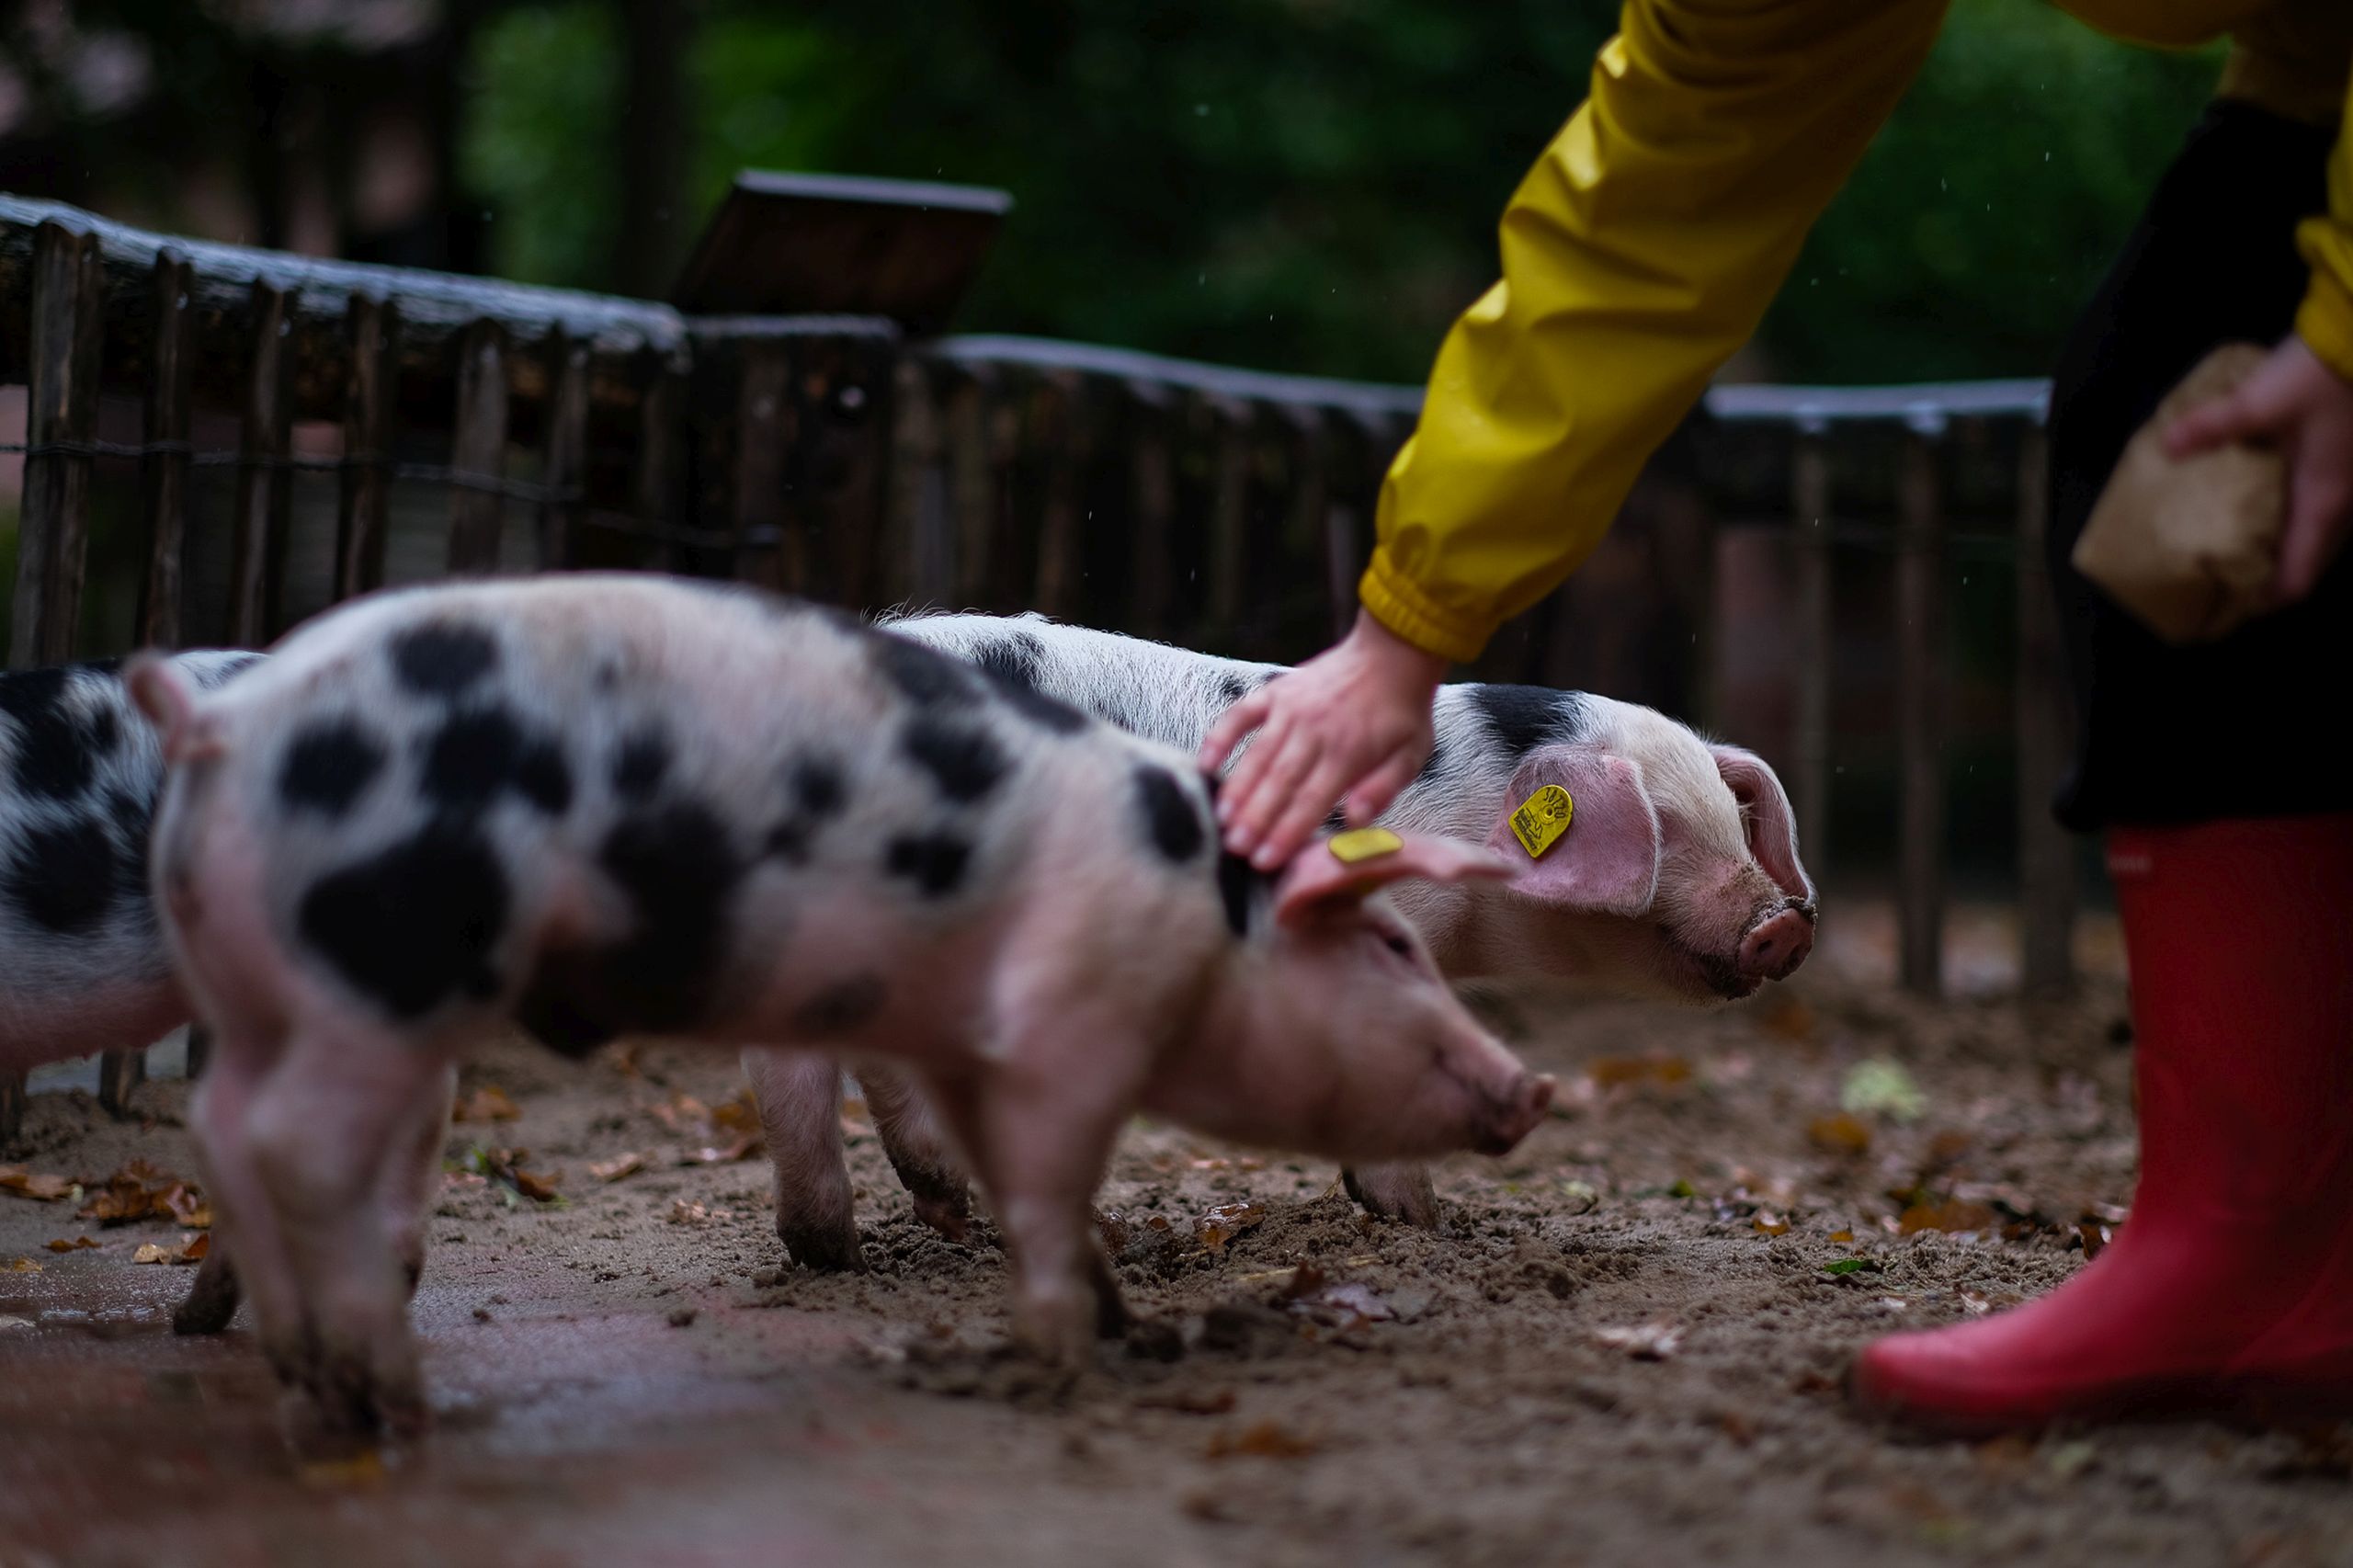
(1364, 844)
(1542, 819)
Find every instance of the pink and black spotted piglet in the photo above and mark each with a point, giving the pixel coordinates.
(610, 804)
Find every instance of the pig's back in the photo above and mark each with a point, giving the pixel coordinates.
(618, 803)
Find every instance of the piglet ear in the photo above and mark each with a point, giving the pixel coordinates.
(160, 690)
(1319, 878)
(1606, 860)
(1771, 827)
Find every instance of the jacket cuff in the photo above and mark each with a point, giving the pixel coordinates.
(1404, 609)
(2325, 321)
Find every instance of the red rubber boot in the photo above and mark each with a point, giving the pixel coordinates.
(2229, 1287)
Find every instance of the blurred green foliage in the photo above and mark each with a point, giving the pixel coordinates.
(1312, 185)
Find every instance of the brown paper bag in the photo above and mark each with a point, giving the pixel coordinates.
(2190, 547)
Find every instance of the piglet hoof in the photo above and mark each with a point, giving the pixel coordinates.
(1060, 1334)
(1112, 1318)
(823, 1248)
(1402, 1193)
(946, 1210)
(211, 1300)
(355, 1395)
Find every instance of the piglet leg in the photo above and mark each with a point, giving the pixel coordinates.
(414, 1179)
(212, 1298)
(918, 1148)
(800, 1096)
(1402, 1193)
(342, 1105)
(1039, 1139)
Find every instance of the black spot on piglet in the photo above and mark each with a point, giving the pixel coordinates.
(933, 862)
(64, 879)
(963, 761)
(1169, 817)
(443, 658)
(640, 766)
(329, 766)
(924, 675)
(53, 757)
(413, 926)
(1012, 660)
(480, 752)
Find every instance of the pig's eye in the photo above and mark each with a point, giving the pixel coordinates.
(1398, 945)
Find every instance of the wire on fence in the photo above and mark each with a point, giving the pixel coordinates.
(517, 490)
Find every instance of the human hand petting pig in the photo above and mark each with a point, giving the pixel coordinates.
(2299, 406)
(1351, 724)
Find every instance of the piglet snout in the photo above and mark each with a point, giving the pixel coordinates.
(1517, 1113)
(1776, 945)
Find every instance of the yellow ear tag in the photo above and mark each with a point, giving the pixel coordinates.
(1364, 844)
(1542, 819)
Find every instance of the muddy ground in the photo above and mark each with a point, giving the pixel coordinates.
(630, 1374)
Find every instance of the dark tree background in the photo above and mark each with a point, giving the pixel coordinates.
(1307, 185)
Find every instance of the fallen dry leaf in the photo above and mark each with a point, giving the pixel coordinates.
(1842, 1132)
(1621, 1071)
(1883, 1088)
(739, 1148)
(20, 1266)
(505, 1168)
(1771, 1224)
(1225, 1222)
(363, 1469)
(489, 1102)
(1261, 1440)
(2095, 1237)
(685, 1213)
(185, 1206)
(1952, 1215)
(77, 1244)
(1344, 1305)
(1645, 1342)
(1789, 1017)
(40, 1189)
(617, 1167)
(1187, 1401)
(138, 1191)
(1842, 1235)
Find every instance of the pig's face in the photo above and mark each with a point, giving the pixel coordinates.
(1335, 1034)
(1678, 872)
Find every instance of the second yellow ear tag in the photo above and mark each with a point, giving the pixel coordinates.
(1542, 819)
(1364, 844)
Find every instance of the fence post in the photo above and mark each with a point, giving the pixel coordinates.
(362, 521)
(1229, 515)
(1811, 530)
(1152, 532)
(659, 473)
(479, 449)
(2046, 854)
(52, 533)
(61, 399)
(164, 474)
(925, 568)
(972, 486)
(1062, 419)
(1919, 696)
(563, 468)
(763, 434)
(261, 475)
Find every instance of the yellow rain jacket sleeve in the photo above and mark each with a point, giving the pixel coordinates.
(1640, 251)
(2325, 321)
